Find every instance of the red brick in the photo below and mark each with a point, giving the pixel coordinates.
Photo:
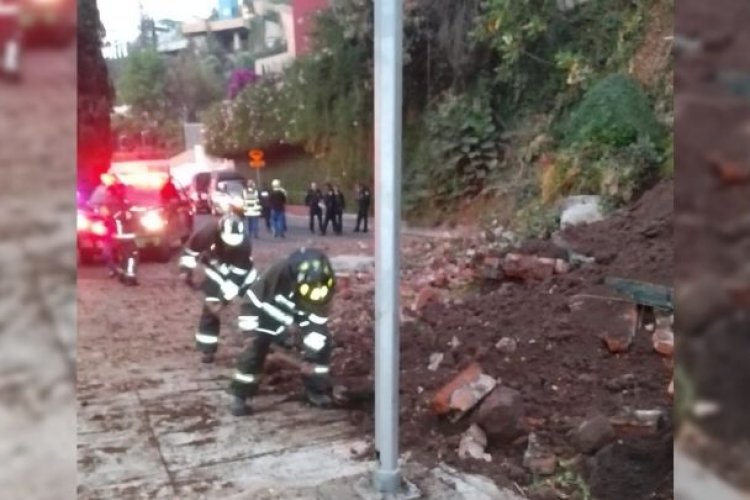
(441, 400)
(663, 339)
(528, 267)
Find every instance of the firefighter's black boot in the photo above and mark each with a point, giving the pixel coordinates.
(239, 407)
(208, 357)
(319, 399)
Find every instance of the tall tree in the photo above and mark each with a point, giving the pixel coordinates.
(95, 96)
(191, 85)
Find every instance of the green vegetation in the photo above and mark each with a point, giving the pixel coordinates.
(615, 112)
(518, 97)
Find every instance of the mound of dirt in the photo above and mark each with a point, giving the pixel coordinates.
(635, 242)
(563, 375)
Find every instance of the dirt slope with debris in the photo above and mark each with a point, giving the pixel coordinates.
(563, 371)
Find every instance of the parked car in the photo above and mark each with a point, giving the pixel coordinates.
(165, 212)
(11, 36)
(225, 185)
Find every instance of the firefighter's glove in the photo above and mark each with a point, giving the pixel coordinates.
(188, 263)
(229, 290)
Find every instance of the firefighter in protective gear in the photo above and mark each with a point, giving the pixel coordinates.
(296, 291)
(225, 251)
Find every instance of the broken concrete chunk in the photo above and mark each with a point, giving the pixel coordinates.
(663, 340)
(473, 443)
(561, 266)
(502, 414)
(593, 434)
(613, 320)
(581, 210)
(435, 360)
(506, 345)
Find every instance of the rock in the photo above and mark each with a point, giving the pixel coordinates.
(473, 443)
(621, 383)
(464, 391)
(613, 320)
(704, 409)
(593, 434)
(538, 460)
(501, 414)
(506, 345)
(561, 266)
(638, 422)
(663, 340)
(544, 492)
(492, 268)
(435, 360)
(454, 343)
(581, 210)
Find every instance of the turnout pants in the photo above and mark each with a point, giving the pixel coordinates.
(316, 350)
(209, 324)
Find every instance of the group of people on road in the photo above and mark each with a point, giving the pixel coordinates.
(328, 208)
(324, 206)
(270, 205)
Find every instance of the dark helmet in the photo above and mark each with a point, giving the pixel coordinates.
(232, 229)
(313, 276)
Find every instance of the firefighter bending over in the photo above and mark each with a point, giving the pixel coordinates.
(296, 291)
(225, 251)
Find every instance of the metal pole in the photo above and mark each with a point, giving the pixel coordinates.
(388, 101)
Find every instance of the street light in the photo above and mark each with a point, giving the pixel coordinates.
(388, 102)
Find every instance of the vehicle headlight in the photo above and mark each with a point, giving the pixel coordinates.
(82, 222)
(98, 228)
(153, 221)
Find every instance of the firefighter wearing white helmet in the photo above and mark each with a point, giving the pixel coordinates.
(296, 291)
(225, 251)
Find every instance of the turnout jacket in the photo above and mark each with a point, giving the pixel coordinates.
(229, 270)
(273, 298)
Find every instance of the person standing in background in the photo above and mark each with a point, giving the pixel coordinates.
(314, 202)
(265, 206)
(339, 210)
(363, 206)
(329, 200)
(278, 209)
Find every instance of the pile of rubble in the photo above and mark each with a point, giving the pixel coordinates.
(526, 361)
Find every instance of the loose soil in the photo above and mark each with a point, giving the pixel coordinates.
(563, 375)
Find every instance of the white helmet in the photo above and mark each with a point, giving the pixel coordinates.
(232, 230)
(276, 184)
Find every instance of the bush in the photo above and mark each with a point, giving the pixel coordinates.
(616, 174)
(615, 113)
